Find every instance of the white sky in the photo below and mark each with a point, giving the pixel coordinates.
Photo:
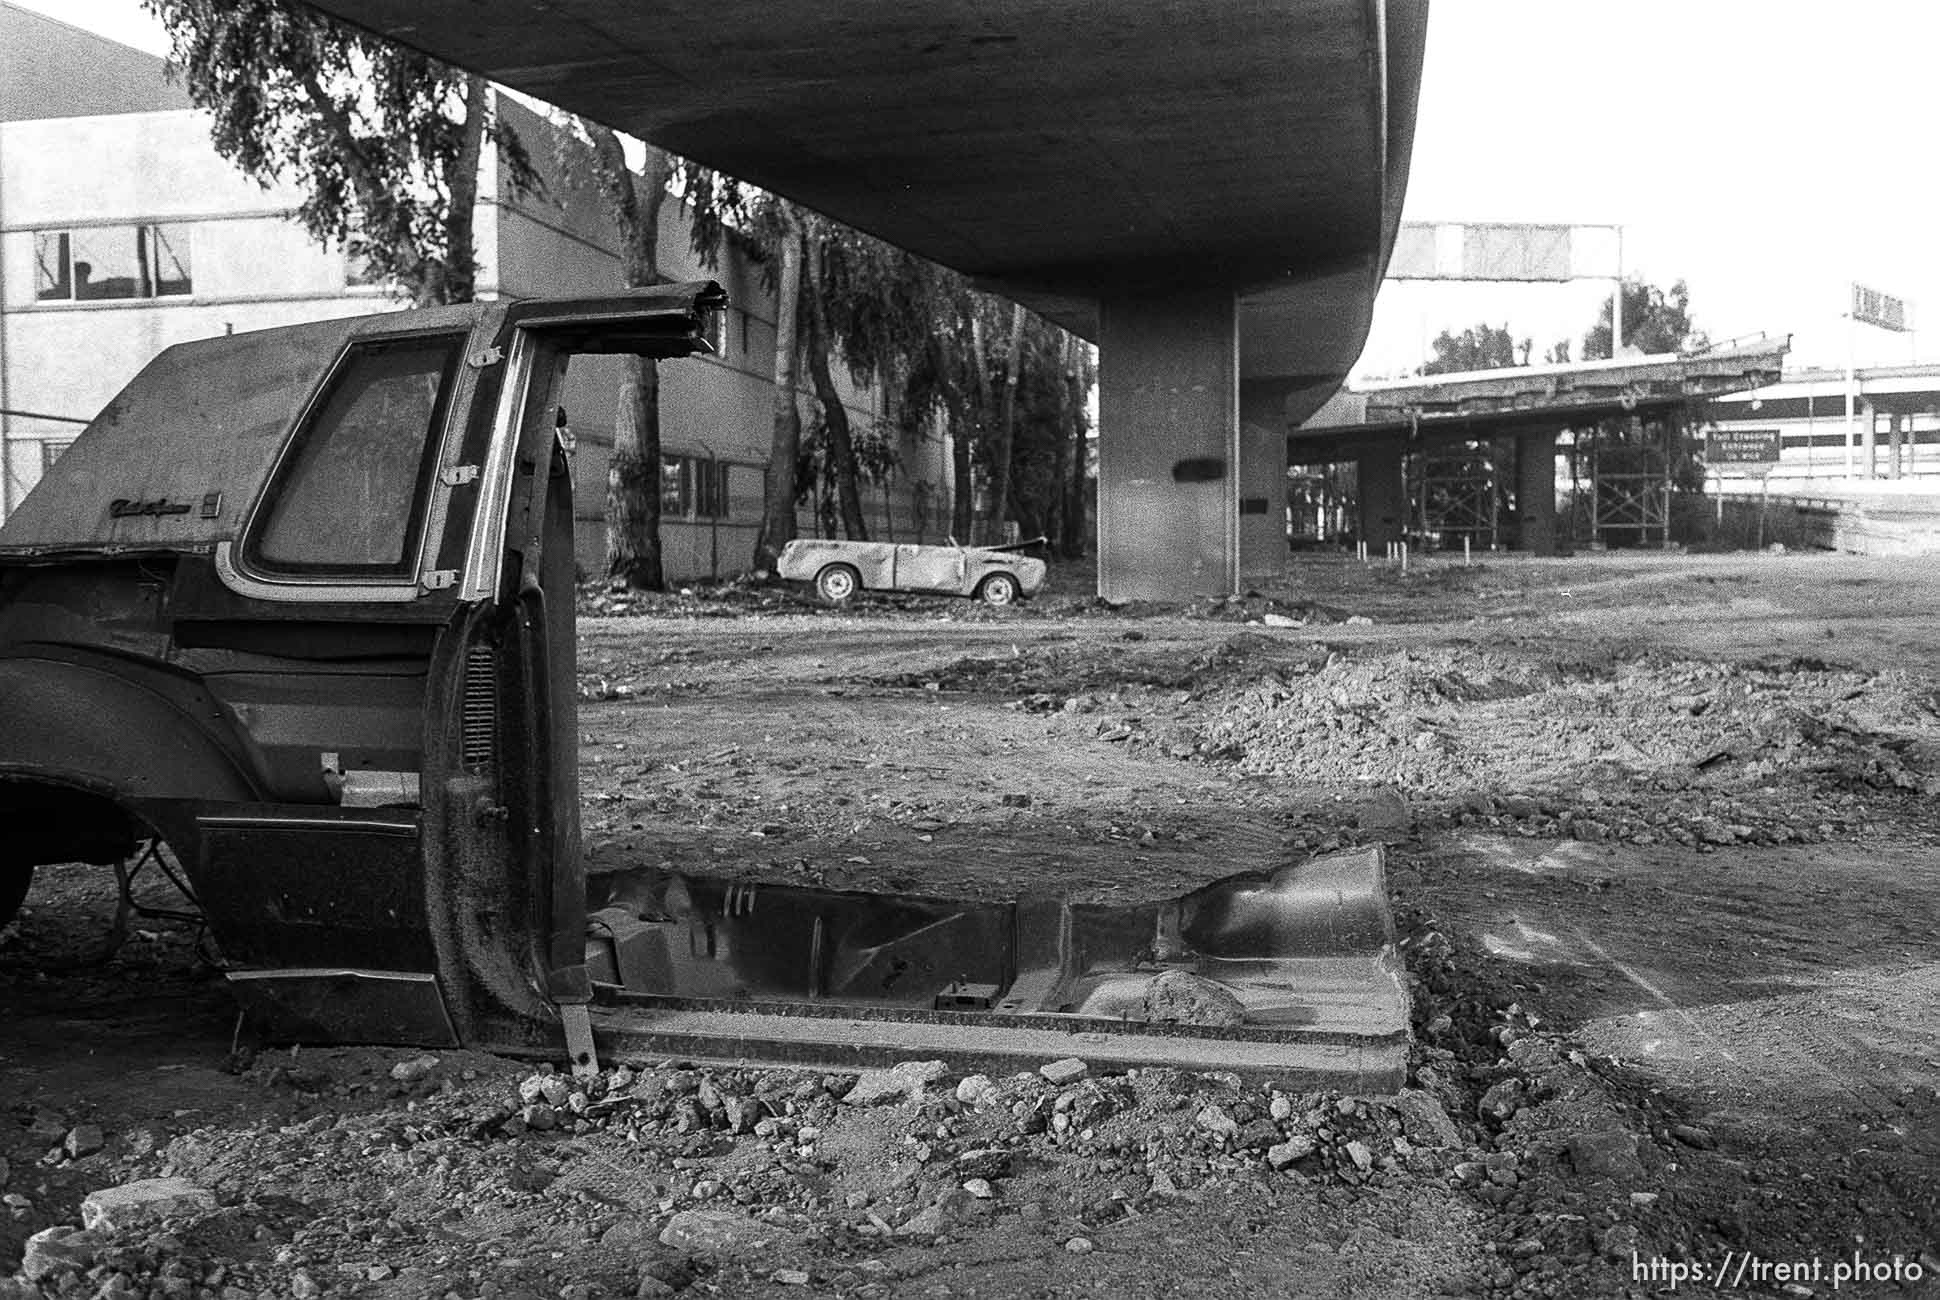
(1768, 152)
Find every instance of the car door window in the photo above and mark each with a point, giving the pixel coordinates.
(349, 498)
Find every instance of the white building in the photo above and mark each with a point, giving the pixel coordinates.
(122, 232)
(1891, 445)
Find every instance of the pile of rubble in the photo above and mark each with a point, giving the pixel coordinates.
(681, 1172)
(1643, 751)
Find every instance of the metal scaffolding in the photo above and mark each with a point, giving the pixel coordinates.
(1621, 476)
(1320, 503)
(1455, 493)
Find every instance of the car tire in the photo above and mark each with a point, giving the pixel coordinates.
(998, 589)
(15, 877)
(837, 584)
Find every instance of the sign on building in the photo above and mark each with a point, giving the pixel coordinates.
(1741, 447)
(1871, 307)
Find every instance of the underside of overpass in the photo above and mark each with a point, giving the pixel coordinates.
(1208, 189)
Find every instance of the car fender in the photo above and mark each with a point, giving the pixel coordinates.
(89, 727)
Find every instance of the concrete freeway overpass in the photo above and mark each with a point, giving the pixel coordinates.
(1208, 189)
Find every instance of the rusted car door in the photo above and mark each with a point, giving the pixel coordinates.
(502, 836)
(930, 568)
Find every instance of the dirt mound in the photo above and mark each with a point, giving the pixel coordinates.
(1639, 750)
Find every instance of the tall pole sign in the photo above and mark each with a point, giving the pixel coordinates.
(1869, 307)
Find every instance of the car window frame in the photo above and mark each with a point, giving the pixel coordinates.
(277, 484)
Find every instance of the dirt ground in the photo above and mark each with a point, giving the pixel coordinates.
(1662, 837)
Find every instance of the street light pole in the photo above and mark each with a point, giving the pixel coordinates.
(1852, 387)
(1616, 303)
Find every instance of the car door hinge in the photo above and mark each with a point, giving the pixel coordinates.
(485, 357)
(438, 579)
(453, 475)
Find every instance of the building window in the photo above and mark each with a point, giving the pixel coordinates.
(51, 452)
(676, 485)
(710, 498)
(103, 262)
(693, 487)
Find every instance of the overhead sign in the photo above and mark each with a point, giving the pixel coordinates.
(1871, 307)
(1741, 447)
(1503, 251)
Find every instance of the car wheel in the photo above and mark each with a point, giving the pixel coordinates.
(15, 877)
(998, 589)
(837, 583)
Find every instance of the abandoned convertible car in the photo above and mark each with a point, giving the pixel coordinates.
(997, 575)
(296, 612)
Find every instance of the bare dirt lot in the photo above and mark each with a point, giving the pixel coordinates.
(1662, 836)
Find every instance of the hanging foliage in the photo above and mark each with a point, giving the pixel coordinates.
(382, 141)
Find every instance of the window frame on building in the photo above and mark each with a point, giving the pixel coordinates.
(156, 243)
(693, 487)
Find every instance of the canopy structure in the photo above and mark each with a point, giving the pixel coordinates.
(1209, 189)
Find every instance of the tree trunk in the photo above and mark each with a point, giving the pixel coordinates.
(962, 498)
(778, 512)
(1074, 490)
(457, 280)
(633, 550)
(958, 518)
(1061, 463)
(840, 452)
(633, 481)
(1006, 433)
(979, 404)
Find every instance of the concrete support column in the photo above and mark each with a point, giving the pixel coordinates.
(1382, 484)
(1869, 440)
(1168, 446)
(1536, 493)
(1263, 480)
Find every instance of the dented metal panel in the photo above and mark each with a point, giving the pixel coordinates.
(1293, 973)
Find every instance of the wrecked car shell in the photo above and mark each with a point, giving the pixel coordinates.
(996, 575)
(299, 604)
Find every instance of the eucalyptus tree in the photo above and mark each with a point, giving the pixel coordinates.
(830, 254)
(383, 142)
(634, 201)
(938, 349)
